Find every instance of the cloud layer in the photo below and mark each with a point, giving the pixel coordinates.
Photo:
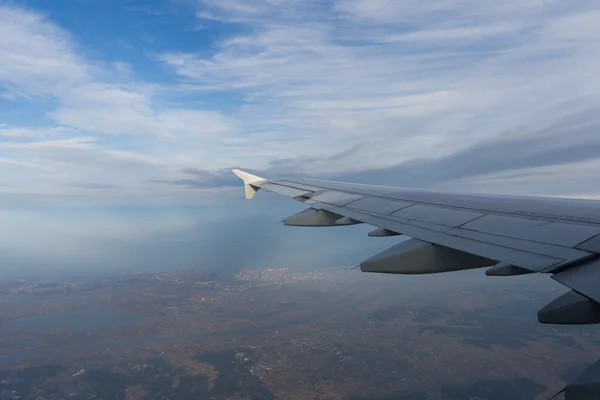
(426, 91)
(419, 94)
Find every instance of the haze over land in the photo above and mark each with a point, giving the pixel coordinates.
(119, 121)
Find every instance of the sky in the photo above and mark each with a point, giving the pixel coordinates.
(120, 120)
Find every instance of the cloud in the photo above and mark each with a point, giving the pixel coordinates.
(556, 160)
(40, 59)
(553, 156)
(474, 33)
(398, 80)
(451, 13)
(31, 132)
(347, 88)
(37, 57)
(106, 135)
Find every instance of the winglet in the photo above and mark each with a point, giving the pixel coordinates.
(250, 182)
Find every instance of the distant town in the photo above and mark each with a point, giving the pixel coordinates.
(45, 286)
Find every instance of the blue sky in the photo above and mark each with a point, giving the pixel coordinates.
(120, 120)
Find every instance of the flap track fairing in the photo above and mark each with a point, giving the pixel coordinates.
(417, 257)
(505, 269)
(382, 232)
(570, 308)
(313, 218)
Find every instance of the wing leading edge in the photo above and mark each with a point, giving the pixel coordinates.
(510, 235)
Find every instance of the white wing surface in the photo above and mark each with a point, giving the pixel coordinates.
(511, 235)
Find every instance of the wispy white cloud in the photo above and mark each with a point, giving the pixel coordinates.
(444, 12)
(33, 132)
(463, 34)
(400, 79)
(104, 125)
(324, 87)
(37, 57)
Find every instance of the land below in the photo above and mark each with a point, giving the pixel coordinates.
(276, 333)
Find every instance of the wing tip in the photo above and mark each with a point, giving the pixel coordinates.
(246, 176)
(250, 182)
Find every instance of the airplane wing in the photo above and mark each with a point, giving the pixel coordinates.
(511, 235)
